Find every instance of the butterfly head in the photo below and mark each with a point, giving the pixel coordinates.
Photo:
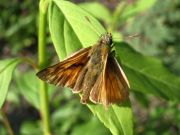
(107, 39)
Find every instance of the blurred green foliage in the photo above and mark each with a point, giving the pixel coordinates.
(159, 32)
(18, 24)
(158, 28)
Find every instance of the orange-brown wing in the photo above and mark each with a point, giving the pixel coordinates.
(112, 86)
(66, 72)
(95, 94)
(116, 83)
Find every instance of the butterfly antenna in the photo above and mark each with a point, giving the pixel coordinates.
(132, 36)
(127, 37)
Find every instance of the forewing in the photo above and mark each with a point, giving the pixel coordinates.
(111, 86)
(116, 83)
(95, 95)
(66, 72)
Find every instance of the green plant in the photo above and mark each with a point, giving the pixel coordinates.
(14, 20)
(71, 30)
(162, 20)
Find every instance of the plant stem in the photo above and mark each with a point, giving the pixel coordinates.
(43, 91)
(116, 16)
(6, 123)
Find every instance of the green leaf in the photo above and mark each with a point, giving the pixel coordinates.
(13, 95)
(147, 74)
(25, 87)
(118, 118)
(28, 86)
(6, 69)
(30, 127)
(63, 113)
(90, 127)
(70, 30)
(102, 13)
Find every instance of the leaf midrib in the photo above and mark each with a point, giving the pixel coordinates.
(118, 120)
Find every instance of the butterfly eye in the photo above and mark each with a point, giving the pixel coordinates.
(110, 41)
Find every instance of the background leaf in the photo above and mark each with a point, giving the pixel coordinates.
(85, 32)
(31, 127)
(6, 69)
(28, 86)
(132, 9)
(147, 74)
(90, 127)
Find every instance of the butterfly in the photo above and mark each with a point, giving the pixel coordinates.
(93, 71)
